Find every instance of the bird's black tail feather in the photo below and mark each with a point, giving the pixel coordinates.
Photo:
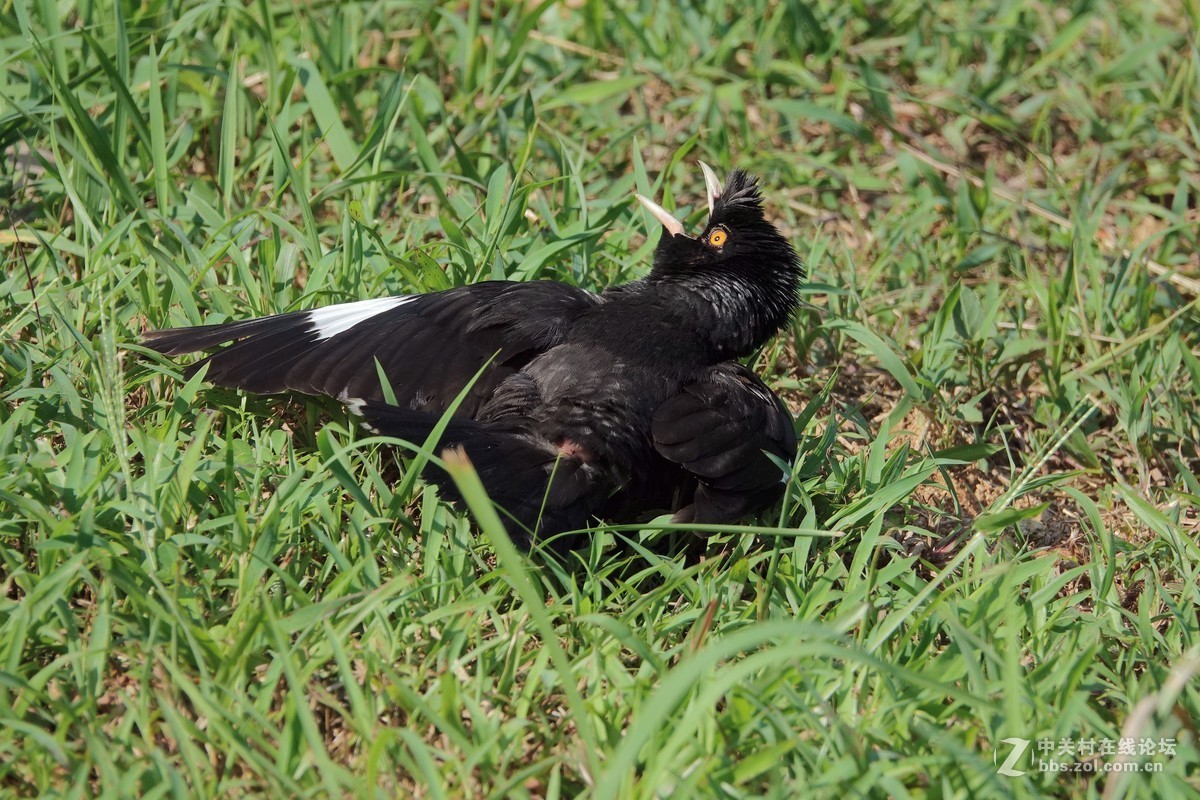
(264, 351)
(539, 488)
(175, 341)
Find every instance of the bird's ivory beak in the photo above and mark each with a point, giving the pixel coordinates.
(712, 184)
(673, 226)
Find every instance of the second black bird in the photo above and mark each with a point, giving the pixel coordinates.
(609, 405)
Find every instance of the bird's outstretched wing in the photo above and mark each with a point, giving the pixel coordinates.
(719, 430)
(429, 345)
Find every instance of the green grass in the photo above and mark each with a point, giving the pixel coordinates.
(209, 594)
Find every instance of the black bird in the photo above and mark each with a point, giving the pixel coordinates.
(609, 405)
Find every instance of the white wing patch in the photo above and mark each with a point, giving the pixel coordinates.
(329, 321)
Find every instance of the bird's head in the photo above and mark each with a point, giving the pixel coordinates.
(739, 262)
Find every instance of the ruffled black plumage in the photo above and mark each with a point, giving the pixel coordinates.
(618, 404)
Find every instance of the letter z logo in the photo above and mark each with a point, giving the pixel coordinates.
(1019, 748)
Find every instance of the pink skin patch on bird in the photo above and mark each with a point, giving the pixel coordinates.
(570, 449)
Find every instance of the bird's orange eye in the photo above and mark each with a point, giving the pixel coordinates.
(718, 238)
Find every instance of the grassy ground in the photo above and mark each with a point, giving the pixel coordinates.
(208, 594)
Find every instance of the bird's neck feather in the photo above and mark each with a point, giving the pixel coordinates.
(736, 315)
